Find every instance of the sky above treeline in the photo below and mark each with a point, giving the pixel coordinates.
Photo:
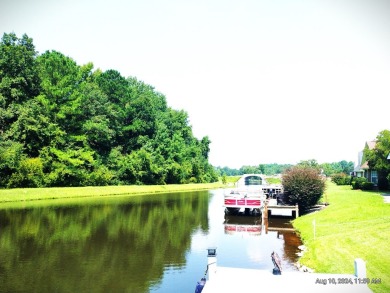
(266, 81)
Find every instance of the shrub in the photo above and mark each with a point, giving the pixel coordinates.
(29, 174)
(303, 186)
(358, 182)
(362, 183)
(101, 176)
(367, 186)
(341, 179)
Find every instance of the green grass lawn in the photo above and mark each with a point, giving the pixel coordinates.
(274, 180)
(270, 180)
(356, 224)
(31, 194)
(232, 179)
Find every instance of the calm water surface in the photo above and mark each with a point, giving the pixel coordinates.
(138, 244)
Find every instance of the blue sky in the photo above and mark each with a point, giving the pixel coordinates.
(267, 81)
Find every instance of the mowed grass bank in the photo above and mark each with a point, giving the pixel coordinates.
(356, 224)
(31, 194)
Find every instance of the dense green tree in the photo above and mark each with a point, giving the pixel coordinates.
(98, 118)
(19, 80)
(249, 170)
(346, 167)
(330, 169)
(62, 84)
(60, 76)
(19, 77)
(64, 124)
(261, 168)
(11, 154)
(311, 164)
(115, 86)
(377, 158)
(272, 169)
(116, 90)
(140, 120)
(227, 171)
(33, 127)
(29, 174)
(69, 167)
(266, 169)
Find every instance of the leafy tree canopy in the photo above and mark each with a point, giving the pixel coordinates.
(62, 124)
(377, 158)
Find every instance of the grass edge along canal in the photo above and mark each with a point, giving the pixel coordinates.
(33, 194)
(356, 224)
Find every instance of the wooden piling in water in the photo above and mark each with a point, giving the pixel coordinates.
(265, 211)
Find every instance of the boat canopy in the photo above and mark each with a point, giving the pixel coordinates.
(251, 179)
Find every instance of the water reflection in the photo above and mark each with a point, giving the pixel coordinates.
(139, 244)
(273, 234)
(114, 246)
(242, 224)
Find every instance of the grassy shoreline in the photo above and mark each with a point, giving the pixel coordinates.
(356, 224)
(34, 194)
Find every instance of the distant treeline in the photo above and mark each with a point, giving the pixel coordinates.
(62, 124)
(327, 169)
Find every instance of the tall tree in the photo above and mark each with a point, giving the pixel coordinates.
(377, 158)
(19, 76)
(67, 125)
(19, 80)
(11, 154)
(98, 118)
(310, 164)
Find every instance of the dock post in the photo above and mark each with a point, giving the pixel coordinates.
(265, 210)
(211, 262)
(360, 268)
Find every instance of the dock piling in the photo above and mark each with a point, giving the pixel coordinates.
(360, 268)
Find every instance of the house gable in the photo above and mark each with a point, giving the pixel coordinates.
(362, 169)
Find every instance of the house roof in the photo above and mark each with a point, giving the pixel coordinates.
(362, 162)
(371, 144)
(358, 169)
(359, 163)
(365, 166)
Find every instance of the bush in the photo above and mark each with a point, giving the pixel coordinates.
(341, 179)
(303, 186)
(101, 176)
(367, 186)
(362, 183)
(358, 182)
(29, 174)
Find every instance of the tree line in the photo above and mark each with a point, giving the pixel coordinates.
(328, 169)
(62, 124)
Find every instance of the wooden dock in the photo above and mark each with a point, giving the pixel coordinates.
(233, 280)
(271, 208)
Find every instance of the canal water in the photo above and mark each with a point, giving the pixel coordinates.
(149, 243)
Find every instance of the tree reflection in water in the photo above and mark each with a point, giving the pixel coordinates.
(116, 245)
